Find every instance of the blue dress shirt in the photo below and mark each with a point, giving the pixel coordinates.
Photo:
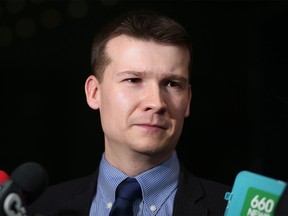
(158, 185)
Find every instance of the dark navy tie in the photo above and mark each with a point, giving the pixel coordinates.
(126, 193)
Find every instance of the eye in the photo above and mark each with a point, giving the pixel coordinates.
(172, 84)
(133, 80)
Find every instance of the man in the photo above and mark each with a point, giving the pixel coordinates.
(140, 85)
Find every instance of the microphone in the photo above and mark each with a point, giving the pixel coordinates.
(3, 177)
(26, 183)
(254, 194)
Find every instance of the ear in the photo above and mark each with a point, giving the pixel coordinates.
(92, 92)
(187, 112)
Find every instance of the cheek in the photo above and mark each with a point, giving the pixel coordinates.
(178, 106)
(124, 101)
(113, 110)
(117, 101)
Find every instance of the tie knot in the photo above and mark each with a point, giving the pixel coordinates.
(129, 189)
(126, 193)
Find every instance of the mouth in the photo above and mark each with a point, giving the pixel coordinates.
(152, 127)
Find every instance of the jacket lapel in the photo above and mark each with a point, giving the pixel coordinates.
(188, 196)
(80, 204)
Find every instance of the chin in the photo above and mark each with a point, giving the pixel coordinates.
(153, 150)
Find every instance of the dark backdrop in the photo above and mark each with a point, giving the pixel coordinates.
(239, 108)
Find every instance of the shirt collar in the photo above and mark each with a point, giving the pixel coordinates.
(157, 183)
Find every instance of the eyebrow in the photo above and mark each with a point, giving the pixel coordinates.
(135, 73)
(144, 73)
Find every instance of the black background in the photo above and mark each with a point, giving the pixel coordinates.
(239, 108)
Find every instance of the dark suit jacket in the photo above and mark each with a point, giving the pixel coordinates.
(195, 196)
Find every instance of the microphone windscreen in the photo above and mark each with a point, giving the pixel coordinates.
(31, 178)
(3, 177)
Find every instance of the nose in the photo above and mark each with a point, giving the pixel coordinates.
(154, 99)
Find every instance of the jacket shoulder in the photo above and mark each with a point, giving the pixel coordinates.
(74, 195)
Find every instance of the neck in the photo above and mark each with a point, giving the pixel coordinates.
(134, 163)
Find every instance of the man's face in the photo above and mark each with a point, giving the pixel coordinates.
(144, 97)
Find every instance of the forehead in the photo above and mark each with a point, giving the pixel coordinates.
(132, 54)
